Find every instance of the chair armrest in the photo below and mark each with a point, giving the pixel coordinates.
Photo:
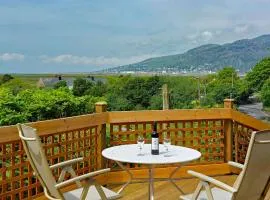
(65, 163)
(235, 164)
(82, 177)
(212, 180)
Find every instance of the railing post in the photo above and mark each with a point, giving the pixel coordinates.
(165, 97)
(101, 140)
(228, 132)
(228, 103)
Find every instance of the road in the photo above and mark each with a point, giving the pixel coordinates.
(255, 110)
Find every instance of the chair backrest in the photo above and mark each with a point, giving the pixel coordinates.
(255, 176)
(36, 156)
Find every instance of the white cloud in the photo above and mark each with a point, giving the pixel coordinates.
(95, 61)
(196, 38)
(241, 28)
(11, 56)
(192, 36)
(207, 35)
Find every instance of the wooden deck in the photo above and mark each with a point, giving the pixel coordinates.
(163, 189)
(220, 134)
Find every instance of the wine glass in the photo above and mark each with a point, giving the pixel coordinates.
(140, 142)
(167, 143)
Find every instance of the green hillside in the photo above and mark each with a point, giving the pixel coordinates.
(241, 54)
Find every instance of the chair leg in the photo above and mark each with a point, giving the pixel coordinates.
(208, 190)
(100, 191)
(197, 191)
(85, 191)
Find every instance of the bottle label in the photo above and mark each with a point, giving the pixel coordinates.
(154, 143)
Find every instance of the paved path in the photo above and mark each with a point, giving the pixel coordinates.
(255, 110)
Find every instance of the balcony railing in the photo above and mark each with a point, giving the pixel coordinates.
(219, 134)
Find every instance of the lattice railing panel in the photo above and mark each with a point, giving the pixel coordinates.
(242, 134)
(207, 136)
(16, 176)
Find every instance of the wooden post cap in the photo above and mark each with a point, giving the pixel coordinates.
(101, 103)
(228, 103)
(101, 106)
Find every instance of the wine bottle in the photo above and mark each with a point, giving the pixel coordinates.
(155, 141)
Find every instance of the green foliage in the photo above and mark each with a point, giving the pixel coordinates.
(156, 102)
(115, 94)
(5, 78)
(227, 84)
(243, 91)
(49, 104)
(116, 102)
(182, 91)
(81, 86)
(38, 104)
(265, 93)
(21, 102)
(258, 75)
(17, 85)
(227, 74)
(59, 84)
(132, 93)
(97, 90)
(11, 111)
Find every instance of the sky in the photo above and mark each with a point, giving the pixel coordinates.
(53, 36)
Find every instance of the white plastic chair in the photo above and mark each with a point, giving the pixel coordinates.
(36, 156)
(251, 184)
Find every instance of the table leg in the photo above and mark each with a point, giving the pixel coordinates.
(129, 178)
(172, 181)
(151, 183)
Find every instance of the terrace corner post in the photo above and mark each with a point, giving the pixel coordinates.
(228, 132)
(101, 107)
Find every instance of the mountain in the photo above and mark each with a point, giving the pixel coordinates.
(241, 54)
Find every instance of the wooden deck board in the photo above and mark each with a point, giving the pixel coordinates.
(163, 189)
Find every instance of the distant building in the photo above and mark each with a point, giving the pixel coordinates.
(50, 82)
(40, 83)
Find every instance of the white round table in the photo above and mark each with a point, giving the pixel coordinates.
(130, 154)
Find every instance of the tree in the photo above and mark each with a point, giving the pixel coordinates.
(80, 86)
(11, 111)
(117, 102)
(227, 84)
(156, 102)
(6, 78)
(258, 75)
(265, 93)
(17, 85)
(59, 84)
(227, 73)
(98, 90)
(135, 92)
(138, 91)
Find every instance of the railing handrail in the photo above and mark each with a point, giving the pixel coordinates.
(169, 115)
(249, 121)
(47, 127)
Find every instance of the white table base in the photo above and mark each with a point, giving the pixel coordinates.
(151, 179)
(127, 154)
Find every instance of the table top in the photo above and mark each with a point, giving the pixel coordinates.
(130, 154)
